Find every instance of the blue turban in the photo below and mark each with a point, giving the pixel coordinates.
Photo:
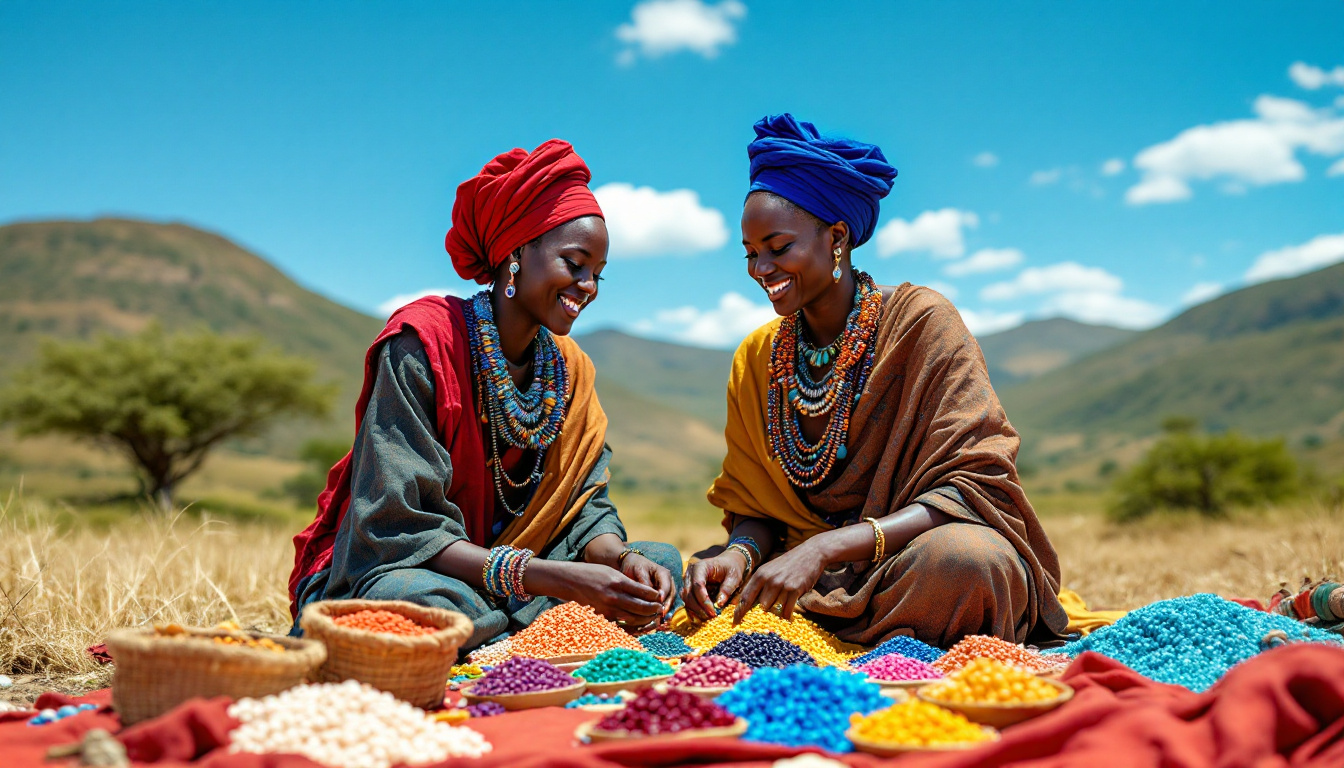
(832, 179)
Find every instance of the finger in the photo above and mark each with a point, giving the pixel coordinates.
(665, 587)
(747, 599)
(731, 581)
(790, 598)
(643, 576)
(704, 607)
(769, 595)
(640, 590)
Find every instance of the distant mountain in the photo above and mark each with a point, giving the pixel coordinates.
(1041, 346)
(1268, 359)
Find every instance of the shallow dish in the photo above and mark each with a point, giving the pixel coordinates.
(571, 662)
(553, 697)
(905, 685)
(1004, 715)
(890, 750)
(704, 693)
(588, 732)
(627, 685)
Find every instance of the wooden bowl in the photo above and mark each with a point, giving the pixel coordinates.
(588, 732)
(704, 693)
(904, 685)
(627, 685)
(1004, 715)
(571, 662)
(891, 750)
(602, 708)
(554, 697)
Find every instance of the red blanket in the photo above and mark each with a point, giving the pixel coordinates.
(1282, 708)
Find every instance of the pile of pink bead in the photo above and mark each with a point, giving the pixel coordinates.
(894, 667)
(710, 672)
(522, 675)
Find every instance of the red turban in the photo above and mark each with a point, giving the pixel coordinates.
(516, 198)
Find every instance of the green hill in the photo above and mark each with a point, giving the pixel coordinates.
(1267, 359)
(1041, 346)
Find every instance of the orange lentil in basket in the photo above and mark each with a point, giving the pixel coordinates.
(384, 622)
(985, 647)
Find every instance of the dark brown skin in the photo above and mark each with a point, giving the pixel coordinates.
(787, 244)
(566, 261)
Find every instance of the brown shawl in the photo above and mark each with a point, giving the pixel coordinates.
(928, 427)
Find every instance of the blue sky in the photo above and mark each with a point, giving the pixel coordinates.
(1110, 162)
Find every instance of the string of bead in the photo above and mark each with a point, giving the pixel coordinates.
(528, 420)
(503, 571)
(795, 391)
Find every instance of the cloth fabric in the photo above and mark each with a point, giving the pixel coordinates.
(517, 197)
(1082, 619)
(929, 429)
(568, 483)
(1282, 709)
(831, 178)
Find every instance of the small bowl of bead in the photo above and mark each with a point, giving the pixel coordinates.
(525, 683)
(621, 669)
(892, 749)
(709, 676)
(978, 692)
(572, 661)
(916, 726)
(663, 714)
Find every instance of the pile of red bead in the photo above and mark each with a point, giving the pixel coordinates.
(671, 711)
(522, 675)
(894, 667)
(710, 672)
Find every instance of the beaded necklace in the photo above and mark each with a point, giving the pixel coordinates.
(528, 420)
(794, 390)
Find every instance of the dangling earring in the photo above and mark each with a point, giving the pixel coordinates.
(835, 273)
(509, 290)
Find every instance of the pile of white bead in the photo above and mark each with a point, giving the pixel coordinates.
(348, 725)
(493, 654)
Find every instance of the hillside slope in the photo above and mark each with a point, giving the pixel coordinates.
(1268, 359)
(1041, 346)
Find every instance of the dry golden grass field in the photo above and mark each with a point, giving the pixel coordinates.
(63, 585)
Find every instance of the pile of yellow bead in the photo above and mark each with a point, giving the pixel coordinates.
(826, 648)
(988, 681)
(918, 724)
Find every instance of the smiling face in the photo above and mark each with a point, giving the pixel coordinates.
(558, 274)
(790, 252)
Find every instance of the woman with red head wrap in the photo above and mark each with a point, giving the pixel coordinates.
(478, 477)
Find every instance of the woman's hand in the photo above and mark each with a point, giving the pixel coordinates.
(723, 572)
(651, 574)
(608, 591)
(782, 581)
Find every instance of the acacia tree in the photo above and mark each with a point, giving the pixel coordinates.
(162, 400)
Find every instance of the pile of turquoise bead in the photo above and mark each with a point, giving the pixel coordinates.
(665, 644)
(802, 706)
(1191, 641)
(622, 664)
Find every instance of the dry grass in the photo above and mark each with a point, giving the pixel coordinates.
(62, 588)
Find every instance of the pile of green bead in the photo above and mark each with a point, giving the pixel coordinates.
(619, 664)
(665, 644)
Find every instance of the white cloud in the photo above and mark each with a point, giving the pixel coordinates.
(1249, 152)
(1311, 78)
(985, 160)
(645, 222)
(989, 321)
(1320, 251)
(722, 326)
(985, 260)
(1104, 308)
(659, 27)
(1201, 292)
(938, 232)
(1337, 169)
(402, 299)
(947, 289)
(1065, 276)
(1113, 167)
(1045, 178)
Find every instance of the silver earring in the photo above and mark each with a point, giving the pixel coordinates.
(835, 273)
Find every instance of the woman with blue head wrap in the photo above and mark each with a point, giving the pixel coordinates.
(870, 478)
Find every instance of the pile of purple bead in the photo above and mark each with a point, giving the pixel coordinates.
(522, 675)
(486, 709)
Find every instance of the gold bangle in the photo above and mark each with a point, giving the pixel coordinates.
(620, 559)
(880, 539)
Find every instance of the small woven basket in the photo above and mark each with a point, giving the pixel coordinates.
(153, 674)
(414, 669)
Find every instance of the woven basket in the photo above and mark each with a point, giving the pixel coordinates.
(414, 669)
(153, 674)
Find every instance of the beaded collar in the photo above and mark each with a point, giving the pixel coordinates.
(795, 390)
(529, 420)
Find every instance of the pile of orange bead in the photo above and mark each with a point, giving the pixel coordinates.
(974, 647)
(385, 622)
(570, 629)
(986, 681)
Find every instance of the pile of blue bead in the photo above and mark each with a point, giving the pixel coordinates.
(802, 706)
(52, 715)
(758, 650)
(906, 646)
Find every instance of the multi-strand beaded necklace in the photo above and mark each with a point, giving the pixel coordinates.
(528, 420)
(795, 390)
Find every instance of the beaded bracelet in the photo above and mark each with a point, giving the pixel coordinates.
(503, 570)
(629, 550)
(751, 562)
(880, 539)
(748, 542)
